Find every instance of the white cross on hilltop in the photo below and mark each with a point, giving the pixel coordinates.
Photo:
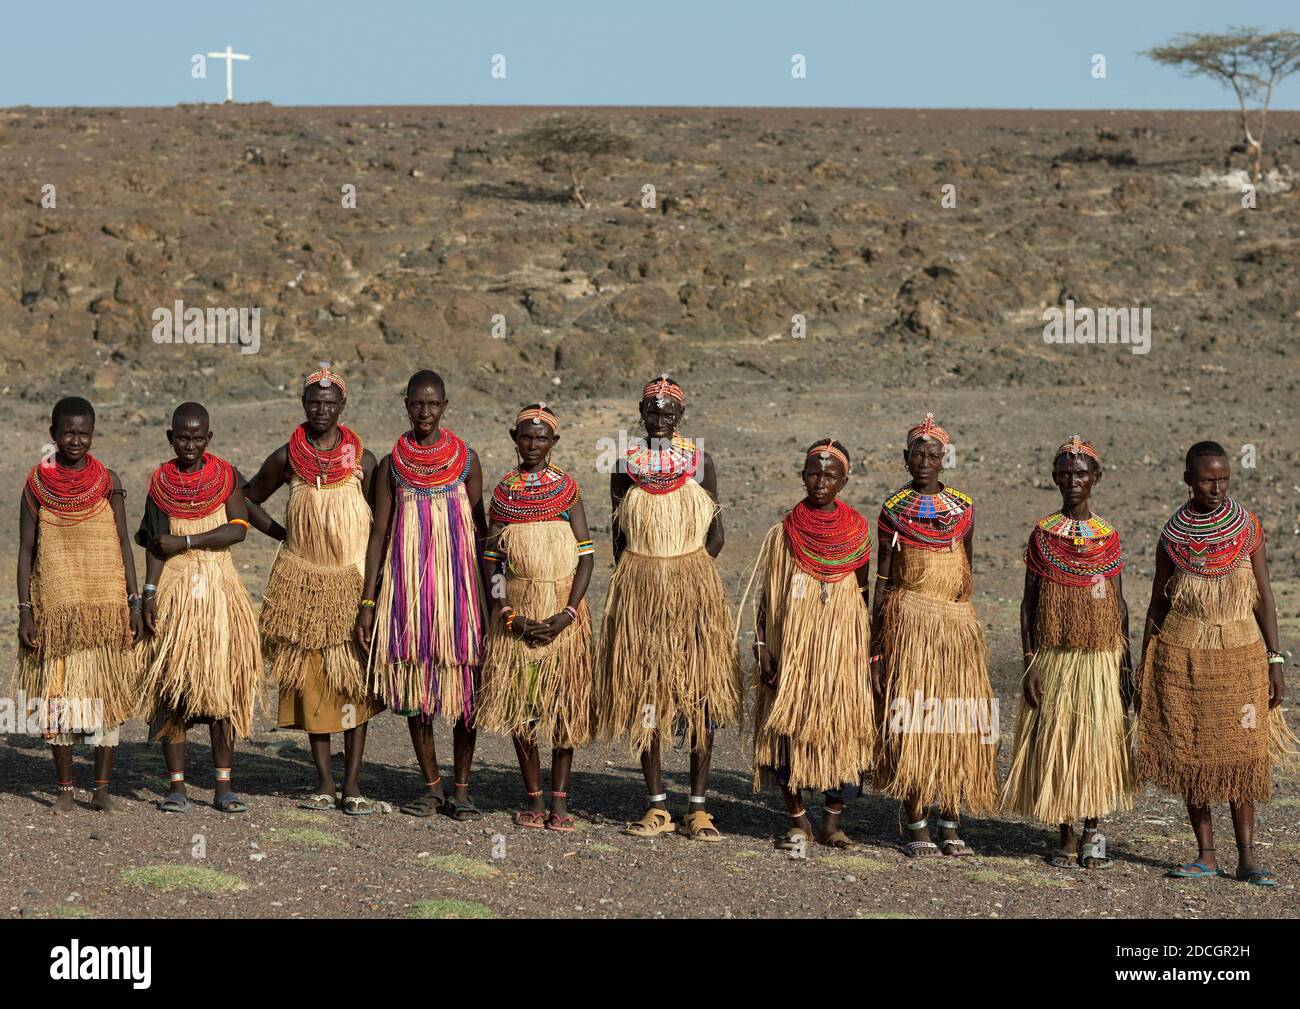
(229, 56)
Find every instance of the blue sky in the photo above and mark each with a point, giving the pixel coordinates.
(943, 53)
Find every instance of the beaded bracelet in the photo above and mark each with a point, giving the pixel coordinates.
(1276, 658)
(148, 589)
(366, 602)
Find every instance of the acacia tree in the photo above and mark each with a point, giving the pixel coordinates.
(1251, 61)
(571, 145)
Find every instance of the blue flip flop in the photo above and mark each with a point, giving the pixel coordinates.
(175, 803)
(1201, 872)
(1257, 877)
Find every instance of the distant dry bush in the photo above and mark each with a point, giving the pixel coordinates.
(572, 144)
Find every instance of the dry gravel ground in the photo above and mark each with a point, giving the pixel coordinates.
(761, 214)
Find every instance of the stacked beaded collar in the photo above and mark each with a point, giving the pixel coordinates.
(829, 545)
(928, 521)
(661, 470)
(533, 497)
(66, 491)
(325, 467)
(430, 468)
(192, 495)
(1074, 552)
(1211, 544)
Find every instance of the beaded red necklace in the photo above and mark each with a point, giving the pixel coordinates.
(192, 495)
(419, 467)
(1211, 544)
(533, 497)
(829, 545)
(661, 470)
(1074, 552)
(929, 521)
(325, 466)
(67, 491)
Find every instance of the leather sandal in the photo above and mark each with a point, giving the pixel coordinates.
(653, 824)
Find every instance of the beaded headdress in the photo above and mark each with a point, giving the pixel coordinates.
(663, 389)
(927, 429)
(538, 413)
(1078, 446)
(326, 377)
(825, 450)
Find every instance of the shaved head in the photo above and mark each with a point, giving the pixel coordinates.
(190, 412)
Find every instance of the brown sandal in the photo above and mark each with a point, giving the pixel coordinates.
(698, 826)
(796, 838)
(530, 820)
(653, 824)
(838, 840)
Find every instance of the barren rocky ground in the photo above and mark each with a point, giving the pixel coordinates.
(759, 215)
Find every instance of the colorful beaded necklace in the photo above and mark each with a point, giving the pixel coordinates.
(66, 491)
(1074, 552)
(929, 521)
(533, 497)
(321, 466)
(661, 470)
(829, 545)
(1211, 544)
(192, 495)
(430, 468)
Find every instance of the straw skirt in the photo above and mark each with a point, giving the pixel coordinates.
(939, 724)
(667, 652)
(817, 728)
(205, 662)
(542, 692)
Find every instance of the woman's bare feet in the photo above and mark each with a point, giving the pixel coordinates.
(63, 802)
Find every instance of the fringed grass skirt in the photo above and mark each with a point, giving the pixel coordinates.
(309, 609)
(817, 728)
(539, 692)
(939, 719)
(315, 585)
(667, 650)
(1073, 756)
(85, 663)
(205, 662)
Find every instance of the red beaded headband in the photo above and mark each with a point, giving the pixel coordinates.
(540, 414)
(326, 377)
(927, 429)
(660, 388)
(827, 449)
(1077, 446)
